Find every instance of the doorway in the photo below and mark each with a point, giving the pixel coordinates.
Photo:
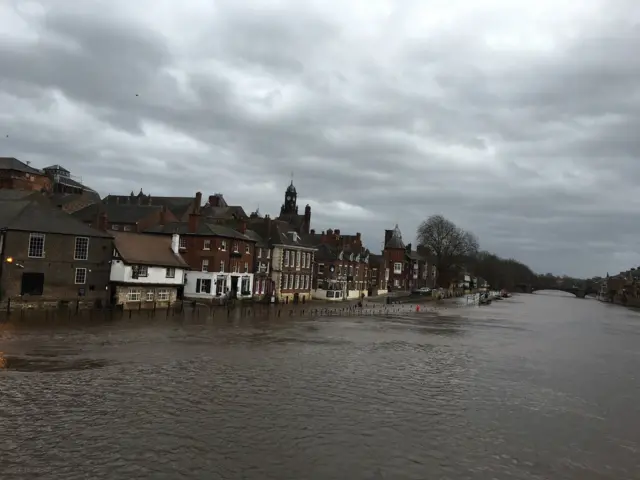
(234, 287)
(32, 283)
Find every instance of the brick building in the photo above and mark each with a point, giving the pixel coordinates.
(126, 217)
(48, 256)
(17, 175)
(292, 258)
(395, 261)
(211, 247)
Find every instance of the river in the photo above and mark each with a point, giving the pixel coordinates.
(533, 387)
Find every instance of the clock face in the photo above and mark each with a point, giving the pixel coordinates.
(289, 198)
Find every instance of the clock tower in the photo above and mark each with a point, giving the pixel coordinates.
(289, 206)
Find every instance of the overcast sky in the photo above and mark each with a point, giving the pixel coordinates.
(518, 120)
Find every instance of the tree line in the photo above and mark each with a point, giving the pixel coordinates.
(454, 250)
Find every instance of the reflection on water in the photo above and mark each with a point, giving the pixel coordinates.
(534, 387)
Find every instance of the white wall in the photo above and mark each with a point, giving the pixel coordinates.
(194, 276)
(320, 294)
(121, 272)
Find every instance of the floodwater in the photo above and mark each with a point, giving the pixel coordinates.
(533, 387)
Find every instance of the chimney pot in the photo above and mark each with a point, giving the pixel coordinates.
(197, 202)
(312, 232)
(337, 231)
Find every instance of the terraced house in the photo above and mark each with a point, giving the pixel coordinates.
(48, 256)
(291, 259)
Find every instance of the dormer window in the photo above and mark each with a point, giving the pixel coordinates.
(341, 256)
(351, 257)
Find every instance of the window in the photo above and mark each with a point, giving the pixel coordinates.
(268, 253)
(133, 295)
(297, 281)
(207, 245)
(259, 253)
(81, 276)
(306, 282)
(357, 271)
(246, 267)
(150, 296)
(247, 249)
(81, 250)
(397, 267)
(235, 247)
(205, 265)
(235, 267)
(285, 281)
(298, 258)
(115, 226)
(171, 272)
(286, 258)
(308, 260)
(36, 245)
(183, 243)
(222, 266)
(203, 285)
(223, 246)
(115, 253)
(321, 268)
(138, 271)
(245, 287)
(127, 228)
(163, 295)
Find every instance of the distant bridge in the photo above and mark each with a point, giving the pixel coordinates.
(579, 292)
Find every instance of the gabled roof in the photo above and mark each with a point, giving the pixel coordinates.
(260, 242)
(396, 239)
(11, 163)
(224, 213)
(36, 214)
(151, 250)
(277, 232)
(204, 230)
(179, 206)
(117, 213)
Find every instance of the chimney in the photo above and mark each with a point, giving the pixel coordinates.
(243, 227)
(358, 236)
(337, 232)
(387, 236)
(329, 232)
(103, 223)
(163, 215)
(117, 199)
(175, 243)
(197, 202)
(312, 232)
(194, 219)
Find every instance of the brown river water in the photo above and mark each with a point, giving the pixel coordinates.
(533, 387)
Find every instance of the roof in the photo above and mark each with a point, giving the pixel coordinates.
(278, 232)
(117, 213)
(224, 213)
(260, 242)
(152, 250)
(396, 239)
(179, 206)
(11, 163)
(37, 214)
(291, 188)
(60, 199)
(204, 230)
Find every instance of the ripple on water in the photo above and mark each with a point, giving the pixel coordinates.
(493, 393)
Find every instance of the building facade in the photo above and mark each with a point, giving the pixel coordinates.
(147, 271)
(49, 257)
(395, 263)
(17, 175)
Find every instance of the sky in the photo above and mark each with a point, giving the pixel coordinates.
(517, 120)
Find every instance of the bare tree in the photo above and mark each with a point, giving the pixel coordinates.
(450, 245)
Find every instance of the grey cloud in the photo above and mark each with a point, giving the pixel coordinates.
(534, 151)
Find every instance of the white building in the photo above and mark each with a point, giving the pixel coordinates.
(147, 271)
(217, 285)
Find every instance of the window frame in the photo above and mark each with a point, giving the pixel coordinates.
(75, 248)
(84, 278)
(34, 237)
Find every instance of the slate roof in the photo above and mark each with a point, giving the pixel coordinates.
(204, 229)
(179, 206)
(224, 213)
(33, 214)
(11, 163)
(117, 213)
(152, 250)
(396, 239)
(260, 242)
(280, 233)
(60, 199)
